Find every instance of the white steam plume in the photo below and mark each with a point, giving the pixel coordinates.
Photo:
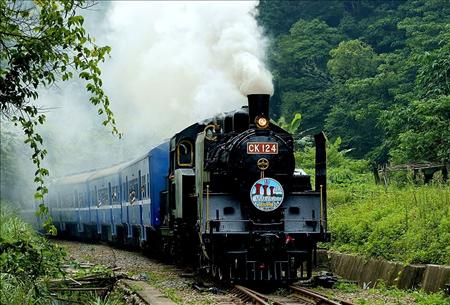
(172, 64)
(183, 61)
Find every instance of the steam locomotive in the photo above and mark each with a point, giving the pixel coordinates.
(223, 192)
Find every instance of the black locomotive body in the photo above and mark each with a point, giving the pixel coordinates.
(236, 203)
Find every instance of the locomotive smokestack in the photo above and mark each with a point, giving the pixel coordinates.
(258, 107)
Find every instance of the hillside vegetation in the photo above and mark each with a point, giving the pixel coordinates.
(374, 73)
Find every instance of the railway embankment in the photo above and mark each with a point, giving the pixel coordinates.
(398, 235)
(369, 272)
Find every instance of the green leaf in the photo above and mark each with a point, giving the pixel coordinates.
(295, 123)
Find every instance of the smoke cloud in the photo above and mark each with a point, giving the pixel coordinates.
(172, 64)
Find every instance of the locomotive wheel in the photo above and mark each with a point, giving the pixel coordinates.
(218, 273)
(214, 271)
(220, 276)
(206, 268)
(224, 274)
(203, 263)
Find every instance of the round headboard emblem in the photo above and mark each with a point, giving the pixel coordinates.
(266, 194)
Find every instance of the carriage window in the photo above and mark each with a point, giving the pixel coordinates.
(148, 185)
(143, 188)
(115, 195)
(102, 197)
(93, 197)
(185, 153)
(73, 201)
(80, 199)
(70, 199)
(132, 190)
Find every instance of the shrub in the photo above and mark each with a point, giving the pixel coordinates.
(23, 252)
(27, 260)
(341, 170)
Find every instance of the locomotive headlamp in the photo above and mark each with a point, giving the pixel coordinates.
(261, 122)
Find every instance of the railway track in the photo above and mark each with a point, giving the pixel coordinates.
(315, 298)
(248, 295)
(304, 296)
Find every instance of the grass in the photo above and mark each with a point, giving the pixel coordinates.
(160, 281)
(27, 261)
(383, 294)
(170, 286)
(410, 224)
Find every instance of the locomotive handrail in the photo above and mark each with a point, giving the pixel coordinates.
(213, 222)
(321, 208)
(264, 224)
(300, 220)
(267, 224)
(252, 226)
(207, 209)
(247, 220)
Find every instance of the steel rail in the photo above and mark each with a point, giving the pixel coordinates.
(246, 295)
(316, 298)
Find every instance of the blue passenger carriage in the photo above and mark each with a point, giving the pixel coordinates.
(119, 202)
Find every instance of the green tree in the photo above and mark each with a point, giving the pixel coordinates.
(421, 129)
(43, 42)
(426, 24)
(425, 135)
(352, 59)
(278, 16)
(378, 27)
(418, 128)
(15, 174)
(300, 71)
(361, 93)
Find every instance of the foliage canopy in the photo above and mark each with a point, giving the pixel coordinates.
(43, 42)
(375, 73)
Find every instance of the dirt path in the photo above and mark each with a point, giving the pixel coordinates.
(170, 280)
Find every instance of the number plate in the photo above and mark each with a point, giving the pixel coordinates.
(254, 148)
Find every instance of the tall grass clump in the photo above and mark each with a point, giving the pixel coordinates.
(407, 220)
(27, 261)
(409, 224)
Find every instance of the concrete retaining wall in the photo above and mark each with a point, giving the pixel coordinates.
(370, 271)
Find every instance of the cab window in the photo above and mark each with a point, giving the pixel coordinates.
(185, 153)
